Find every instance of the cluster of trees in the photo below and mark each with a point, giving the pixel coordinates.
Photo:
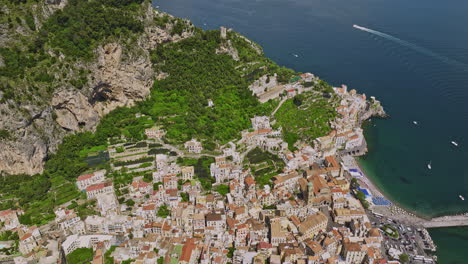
(163, 211)
(222, 189)
(360, 195)
(202, 170)
(75, 31)
(8, 235)
(22, 189)
(82, 25)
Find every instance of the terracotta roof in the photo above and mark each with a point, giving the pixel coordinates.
(213, 217)
(98, 186)
(6, 212)
(374, 232)
(263, 131)
(149, 207)
(140, 184)
(331, 160)
(352, 246)
(85, 177)
(312, 221)
(26, 236)
(262, 245)
(249, 180)
(187, 250)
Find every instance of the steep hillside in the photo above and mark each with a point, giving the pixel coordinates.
(63, 65)
(84, 74)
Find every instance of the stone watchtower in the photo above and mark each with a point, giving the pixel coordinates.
(223, 32)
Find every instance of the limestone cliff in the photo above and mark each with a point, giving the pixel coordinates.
(120, 75)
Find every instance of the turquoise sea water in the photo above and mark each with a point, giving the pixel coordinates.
(414, 58)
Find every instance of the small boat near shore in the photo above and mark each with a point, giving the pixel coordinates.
(461, 197)
(415, 122)
(429, 166)
(454, 143)
(295, 55)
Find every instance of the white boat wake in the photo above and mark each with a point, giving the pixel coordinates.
(414, 47)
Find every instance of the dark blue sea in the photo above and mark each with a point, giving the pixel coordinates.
(413, 57)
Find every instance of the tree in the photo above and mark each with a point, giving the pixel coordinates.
(163, 211)
(354, 183)
(80, 256)
(404, 258)
(230, 253)
(161, 260)
(222, 189)
(184, 196)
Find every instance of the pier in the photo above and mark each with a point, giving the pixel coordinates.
(447, 221)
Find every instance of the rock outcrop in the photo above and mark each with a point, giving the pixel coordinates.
(373, 109)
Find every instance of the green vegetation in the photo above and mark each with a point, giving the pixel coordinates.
(197, 74)
(8, 235)
(264, 165)
(222, 189)
(4, 134)
(163, 211)
(202, 169)
(80, 256)
(390, 231)
(80, 27)
(92, 150)
(305, 117)
(86, 209)
(404, 258)
(230, 253)
(107, 256)
(132, 162)
(33, 69)
(362, 197)
(184, 196)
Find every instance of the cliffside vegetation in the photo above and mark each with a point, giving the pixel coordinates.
(44, 55)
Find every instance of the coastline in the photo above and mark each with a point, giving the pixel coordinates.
(395, 210)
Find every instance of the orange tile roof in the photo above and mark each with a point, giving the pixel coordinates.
(98, 186)
(249, 180)
(85, 177)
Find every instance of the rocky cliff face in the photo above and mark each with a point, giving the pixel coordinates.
(373, 109)
(120, 76)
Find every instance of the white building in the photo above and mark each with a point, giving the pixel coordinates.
(188, 172)
(193, 146)
(68, 221)
(86, 180)
(260, 122)
(74, 242)
(107, 204)
(100, 188)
